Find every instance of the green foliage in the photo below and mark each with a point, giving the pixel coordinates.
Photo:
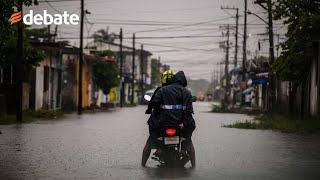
(37, 34)
(224, 108)
(104, 36)
(43, 113)
(303, 20)
(9, 35)
(105, 74)
(106, 53)
(30, 116)
(221, 108)
(9, 51)
(280, 123)
(198, 86)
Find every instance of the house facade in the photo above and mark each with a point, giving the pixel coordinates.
(94, 48)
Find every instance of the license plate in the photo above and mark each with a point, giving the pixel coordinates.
(171, 140)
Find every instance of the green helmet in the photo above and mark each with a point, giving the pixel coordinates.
(167, 77)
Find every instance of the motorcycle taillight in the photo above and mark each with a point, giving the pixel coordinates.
(171, 132)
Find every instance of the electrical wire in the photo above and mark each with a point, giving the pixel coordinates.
(53, 7)
(187, 25)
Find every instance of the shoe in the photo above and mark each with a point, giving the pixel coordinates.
(158, 153)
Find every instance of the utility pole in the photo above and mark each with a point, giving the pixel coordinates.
(236, 34)
(237, 29)
(218, 76)
(159, 65)
(278, 38)
(227, 66)
(121, 71)
(55, 33)
(19, 67)
(244, 56)
(80, 60)
(141, 73)
(273, 81)
(133, 66)
(271, 49)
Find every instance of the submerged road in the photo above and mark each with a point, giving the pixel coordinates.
(108, 145)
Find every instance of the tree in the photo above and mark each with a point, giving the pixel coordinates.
(38, 35)
(103, 36)
(105, 74)
(303, 20)
(106, 53)
(9, 35)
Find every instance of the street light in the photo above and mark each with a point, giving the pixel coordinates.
(251, 13)
(272, 100)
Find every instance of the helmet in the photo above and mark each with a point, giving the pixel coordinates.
(167, 77)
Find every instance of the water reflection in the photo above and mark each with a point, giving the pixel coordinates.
(168, 173)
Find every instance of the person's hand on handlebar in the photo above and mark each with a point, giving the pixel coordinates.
(181, 126)
(148, 111)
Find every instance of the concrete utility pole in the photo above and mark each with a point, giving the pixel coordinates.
(272, 84)
(236, 34)
(121, 71)
(80, 60)
(133, 65)
(237, 29)
(141, 74)
(218, 75)
(244, 55)
(271, 49)
(227, 66)
(19, 67)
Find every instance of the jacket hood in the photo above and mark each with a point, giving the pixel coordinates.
(180, 78)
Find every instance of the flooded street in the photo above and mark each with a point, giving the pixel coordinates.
(108, 145)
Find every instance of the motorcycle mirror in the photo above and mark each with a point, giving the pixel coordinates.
(194, 99)
(147, 98)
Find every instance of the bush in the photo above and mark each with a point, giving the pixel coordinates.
(280, 123)
(29, 116)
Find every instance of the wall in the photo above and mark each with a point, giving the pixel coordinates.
(69, 86)
(39, 87)
(314, 81)
(85, 84)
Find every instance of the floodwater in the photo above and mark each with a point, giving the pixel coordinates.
(108, 145)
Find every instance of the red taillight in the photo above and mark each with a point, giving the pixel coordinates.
(171, 132)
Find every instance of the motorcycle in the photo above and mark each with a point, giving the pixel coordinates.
(172, 145)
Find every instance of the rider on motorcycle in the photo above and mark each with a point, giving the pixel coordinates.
(166, 79)
(174, 104)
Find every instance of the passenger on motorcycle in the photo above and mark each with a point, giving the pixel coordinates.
(153, 122)
(174, 104)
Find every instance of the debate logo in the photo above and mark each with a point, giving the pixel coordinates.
(15, 17)
(45, 18)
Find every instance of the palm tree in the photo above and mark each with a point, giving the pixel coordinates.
(103, 36)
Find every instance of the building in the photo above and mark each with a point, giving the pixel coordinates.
(93, 48)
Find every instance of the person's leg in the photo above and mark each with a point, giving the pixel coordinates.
(146, 152)
(192, 155)
(187, 145)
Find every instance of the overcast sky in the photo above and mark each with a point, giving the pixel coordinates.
(198, 57)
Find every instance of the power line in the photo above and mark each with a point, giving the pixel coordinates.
(160, 45)
(131, 20)
(193, 24)
(150, 37)
(180, 50)
(174, 37)
(59, 1)
(53, 7)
